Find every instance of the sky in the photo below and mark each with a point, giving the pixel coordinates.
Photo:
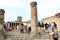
(15, 8)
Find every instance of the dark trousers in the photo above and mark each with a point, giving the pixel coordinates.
(55, 38)
(21, 31)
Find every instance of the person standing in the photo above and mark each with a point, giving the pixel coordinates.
(18, 28)
(39, 25)
(46, 27)
(50, 31)
(55, 35)
(42, 27)
(21, 28)
(25, 28)
(29, 28)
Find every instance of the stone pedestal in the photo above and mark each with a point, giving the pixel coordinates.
(34, 18)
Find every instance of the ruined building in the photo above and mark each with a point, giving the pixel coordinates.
(15, 35)
(12, 24)
(55, 18)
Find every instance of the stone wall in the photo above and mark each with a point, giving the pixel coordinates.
(52, 19)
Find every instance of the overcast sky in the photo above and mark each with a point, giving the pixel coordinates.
(15, 8)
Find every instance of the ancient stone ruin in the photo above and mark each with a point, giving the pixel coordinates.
(34, 17)
(15, 35)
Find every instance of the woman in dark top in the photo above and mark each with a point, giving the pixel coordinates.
(39, 25)
(42, 27)
(55, 35)
(46, 26)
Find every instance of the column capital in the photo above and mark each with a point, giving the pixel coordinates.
(33, 4)
(2, 10)
(57, 15)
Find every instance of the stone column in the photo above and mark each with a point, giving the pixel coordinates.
(34, 17)
(2, 11)
(8, 26)
(19, 19)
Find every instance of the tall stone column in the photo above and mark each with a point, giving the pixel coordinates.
(34, 17)
(19, 19)
(2, 11)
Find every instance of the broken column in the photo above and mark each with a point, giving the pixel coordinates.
(2, 11)
(19, 19)
(1, 24)
(34, 17)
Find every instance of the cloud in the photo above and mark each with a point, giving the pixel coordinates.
(12, 8)
(47, 8)
(22, 7)
(10, 15)
(12, 3)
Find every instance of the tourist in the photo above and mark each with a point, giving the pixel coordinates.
(21, 28)
(42, 27)
(29, 28)
(15, 29)
(53, 31)
(18, 28)
(55, 35)
(50, 30)
(46, 27)
(39, 25)
(25, 28)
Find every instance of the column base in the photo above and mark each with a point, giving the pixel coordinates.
(33, 34)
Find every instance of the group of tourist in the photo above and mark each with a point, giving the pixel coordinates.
(51, 28)
(24, 28)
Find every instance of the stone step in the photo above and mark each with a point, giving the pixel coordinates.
(18, 36)
(39, 39)
(42, 36)
(18, 39)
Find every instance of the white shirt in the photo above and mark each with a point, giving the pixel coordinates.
(29, 25)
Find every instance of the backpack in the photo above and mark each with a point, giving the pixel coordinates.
(38, 24)
(48, 25)
(42, 24)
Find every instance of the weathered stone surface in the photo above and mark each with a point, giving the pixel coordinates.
(13, 35)
(1, 33)
(2, 16)
(57, 15)
(33, 18)
(19, 19)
